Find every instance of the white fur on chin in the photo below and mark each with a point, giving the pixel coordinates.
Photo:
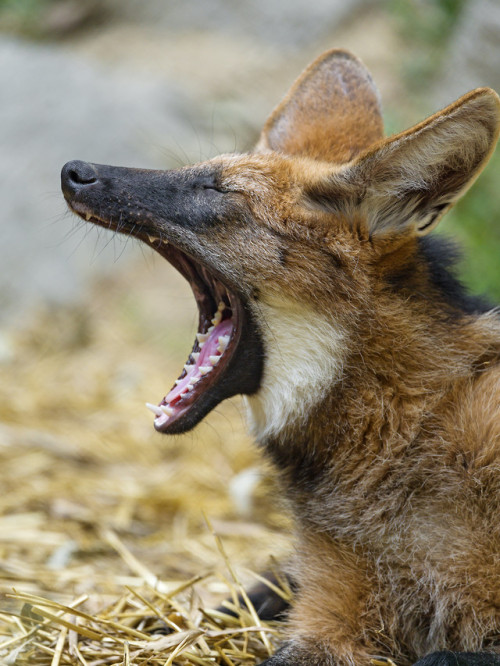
(303, 359)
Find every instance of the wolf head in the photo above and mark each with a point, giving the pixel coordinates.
(288, 248)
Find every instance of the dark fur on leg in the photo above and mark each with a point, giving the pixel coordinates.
(446, 658)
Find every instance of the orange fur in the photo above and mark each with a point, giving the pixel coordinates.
(393, 474)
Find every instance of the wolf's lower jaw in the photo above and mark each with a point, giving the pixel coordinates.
(227, 355)
(304, 357)
(208, 351)
(293, 381)
(303, 351)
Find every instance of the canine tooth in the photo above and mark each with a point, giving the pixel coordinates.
(204, 369)
(169, 411)
(155, 409)
(209, 330)
(195, 356)
(194, 380)
(221, 307)
(88, 216)
(152, 239)
(201, 337)
(214, 359)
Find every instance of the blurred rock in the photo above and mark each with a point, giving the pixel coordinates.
(236, 77)
(155, 87)
(67, 16)
(474, 55)
(294, 23)
(57, 107)
(50, 18)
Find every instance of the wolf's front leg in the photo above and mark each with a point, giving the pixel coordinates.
(326, 625)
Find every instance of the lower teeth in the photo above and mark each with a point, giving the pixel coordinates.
(185, 384)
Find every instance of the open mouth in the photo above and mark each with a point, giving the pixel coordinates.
(221, 315)
(226, 357)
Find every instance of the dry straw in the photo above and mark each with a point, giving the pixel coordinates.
(117, 545)
(105, 555)
(141, 627)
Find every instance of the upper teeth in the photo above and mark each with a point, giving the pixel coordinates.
(155, 239)
(218, 315)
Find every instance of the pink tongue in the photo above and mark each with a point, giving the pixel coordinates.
(209, 349)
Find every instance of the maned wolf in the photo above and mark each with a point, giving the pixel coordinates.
(372, 380)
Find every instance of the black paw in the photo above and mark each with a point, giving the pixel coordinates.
(446, 658)
(268, 604)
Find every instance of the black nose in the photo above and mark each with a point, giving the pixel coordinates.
(77, 175)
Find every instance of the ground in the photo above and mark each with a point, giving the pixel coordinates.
(98, 507)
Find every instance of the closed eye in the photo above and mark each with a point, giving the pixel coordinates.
(216, 188)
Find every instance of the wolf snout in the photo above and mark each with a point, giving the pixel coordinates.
(77, 175)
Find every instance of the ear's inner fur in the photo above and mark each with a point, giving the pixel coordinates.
(407, 182)
(332, 112)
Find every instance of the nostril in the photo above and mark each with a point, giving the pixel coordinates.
(81, 178)
(76, 175)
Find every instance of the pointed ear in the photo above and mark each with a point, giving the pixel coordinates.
(410, 180)
(331, 113)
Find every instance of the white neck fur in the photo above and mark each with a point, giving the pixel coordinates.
(303, 360)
